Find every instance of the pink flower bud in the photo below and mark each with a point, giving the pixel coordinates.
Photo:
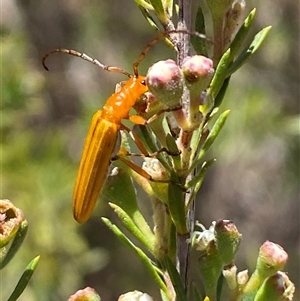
(271, 257)
(197, 72)
(86, 294)
(197, 68)
(164, 80)
(228, 240)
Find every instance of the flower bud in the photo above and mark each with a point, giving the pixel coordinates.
(276, 288)
(271, 259)
(197, 71)
(86, 294)
(135, 296)
(228, 240)
(164, 80)
(11, 219)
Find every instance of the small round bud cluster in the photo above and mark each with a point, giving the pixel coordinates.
(165, 79)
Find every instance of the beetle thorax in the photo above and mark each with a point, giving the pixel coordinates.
(119, 104)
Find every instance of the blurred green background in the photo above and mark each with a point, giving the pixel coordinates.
(45, 116)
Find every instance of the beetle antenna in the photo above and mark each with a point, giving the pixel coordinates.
(84, 57)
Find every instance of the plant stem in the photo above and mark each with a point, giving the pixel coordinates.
(183, 47)
(184, 23)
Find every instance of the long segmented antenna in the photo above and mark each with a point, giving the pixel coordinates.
(159, 37)
(135, 64)
(84, 57)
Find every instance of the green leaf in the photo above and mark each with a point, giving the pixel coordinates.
(199, 44)
(219, 98)
(210, 267)
(142, 181)
(242, 34)
(172, 147)
(197, 180)
(154, 272)
(220, 74)
(176, 204)
(172, 242)
(144, 4)
(120, 190)
(197, 296)
(248, 51)
(24, 279)
(15, 245)
(143, 234)
(148, 140)
(168, 5)
(220, 287)
(148, 17)
(160, 11)
(211, 138)
(175, 278)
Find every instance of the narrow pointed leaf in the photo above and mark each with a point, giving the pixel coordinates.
(147, 239)
(242, 34)
(220, 74)
(196, 293)
(219, 98)
(196, 182)
(24, 279)
(172, 147)
(169, 7)
(199, 44)
(153, 271)
(177, 207)
(147, 139)
(175, 278)
(148, 17)
(144, 4)
(159, 9)
(249, 51)
(211, 137)
(119, 189)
